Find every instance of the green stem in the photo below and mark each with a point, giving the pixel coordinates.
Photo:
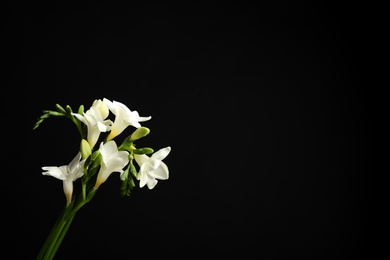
(61, 236)
(54, 234)
(50, 237)
(57, 233)
(49, 254)
(84, 190)
(60, 228)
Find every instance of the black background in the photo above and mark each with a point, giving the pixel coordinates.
(262, 105)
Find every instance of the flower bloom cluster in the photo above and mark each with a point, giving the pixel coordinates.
(95, 162)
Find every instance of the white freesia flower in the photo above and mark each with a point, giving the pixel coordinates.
(152, 168)
(112, 161)
(67, 173)
(124, 117)
(95, 120)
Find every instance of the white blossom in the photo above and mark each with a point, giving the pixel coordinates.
(95, 120)
(124, 117)
(67, 173)
(152, 168)
(112, 161)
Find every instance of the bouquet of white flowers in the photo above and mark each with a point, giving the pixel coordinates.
(93, 166)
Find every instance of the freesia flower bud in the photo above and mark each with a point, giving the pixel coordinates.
(81, 110)
(144, 150)
(85, 149)
(139, 133)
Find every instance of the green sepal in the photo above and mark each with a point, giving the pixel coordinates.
(126, 187)
(133, 170)
(125, 173)
(96, 160)
(91, 166)
(126, 145)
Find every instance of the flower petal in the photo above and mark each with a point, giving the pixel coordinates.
(162, 153)
(56, 172)
(142, 177)
(75, 161)
(151, 183)
(161, 172)
(112, 161)
(68, 189)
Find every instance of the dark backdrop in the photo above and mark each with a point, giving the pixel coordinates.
(261, 103)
